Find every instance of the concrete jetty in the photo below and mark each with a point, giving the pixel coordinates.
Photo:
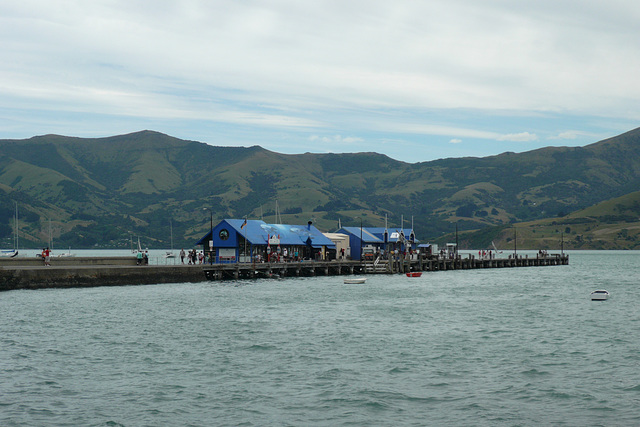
(30, 273)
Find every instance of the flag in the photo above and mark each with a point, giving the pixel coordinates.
(243, 224)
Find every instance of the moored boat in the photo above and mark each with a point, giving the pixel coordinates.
(10, 253)
(414, 274)
(599, 295)
(170, 254)
(356, 280)
(66, 254)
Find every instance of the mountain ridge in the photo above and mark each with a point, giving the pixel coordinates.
(100, 191)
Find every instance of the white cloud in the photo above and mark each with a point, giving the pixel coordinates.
(520, 57)
(336, 139)
(299, 65)
(455, 141)
(572, 134)
(519, 137)
(434, 129)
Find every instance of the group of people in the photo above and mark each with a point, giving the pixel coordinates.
(142, 258)
(278, 255)
(193, 257)
(486, 254)
(46, 256)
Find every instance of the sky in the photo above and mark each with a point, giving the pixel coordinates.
(414, 80)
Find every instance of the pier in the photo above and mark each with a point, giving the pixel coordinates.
(30, 273)
(335, 267)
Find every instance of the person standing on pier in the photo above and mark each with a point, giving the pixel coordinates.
(182, 254)
(47, 257)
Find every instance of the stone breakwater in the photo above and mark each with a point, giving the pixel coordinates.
(30, 273)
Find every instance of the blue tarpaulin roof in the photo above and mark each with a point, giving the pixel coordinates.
(376, 234)
(367, 237)
(379, 232)
(257, 232)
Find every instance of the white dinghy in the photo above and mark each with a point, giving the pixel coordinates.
(599, 295)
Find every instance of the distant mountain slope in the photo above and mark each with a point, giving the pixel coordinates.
(612, 224)
(103, 191)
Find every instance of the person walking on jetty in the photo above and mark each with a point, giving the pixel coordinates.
(182, 254)
(139, 258)
(47, 257)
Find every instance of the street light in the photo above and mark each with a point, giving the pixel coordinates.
(211, 227)
(360, 218)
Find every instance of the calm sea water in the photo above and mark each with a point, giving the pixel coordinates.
(494, 347)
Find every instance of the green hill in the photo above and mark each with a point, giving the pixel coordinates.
(101, 192)
(612, 224)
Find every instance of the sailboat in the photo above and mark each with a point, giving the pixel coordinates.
(66, 254)
(170, 253)
(62, 255)
(10, 253)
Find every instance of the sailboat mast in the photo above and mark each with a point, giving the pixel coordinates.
(17, 236)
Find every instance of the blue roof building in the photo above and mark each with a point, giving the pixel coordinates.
(378, 238)
(359, 238)
(238, 240)
(394, 235)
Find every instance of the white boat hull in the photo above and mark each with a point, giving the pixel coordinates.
(600, 295)
(355, 281)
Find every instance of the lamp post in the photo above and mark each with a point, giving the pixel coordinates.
(210, 227)
(360, 218)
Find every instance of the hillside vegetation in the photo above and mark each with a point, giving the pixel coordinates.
(613, 224)
(103, 192)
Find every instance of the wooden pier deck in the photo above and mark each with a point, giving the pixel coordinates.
(335, 267)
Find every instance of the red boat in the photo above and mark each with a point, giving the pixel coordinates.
(414, 274)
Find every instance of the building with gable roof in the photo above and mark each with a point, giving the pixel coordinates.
(369, 240)
(239, 240)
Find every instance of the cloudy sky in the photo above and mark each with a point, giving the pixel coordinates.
(415, 80)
